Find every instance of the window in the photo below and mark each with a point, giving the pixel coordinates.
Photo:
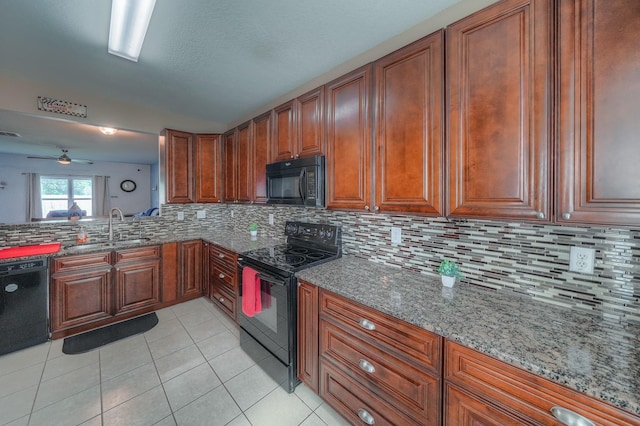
(59, 193)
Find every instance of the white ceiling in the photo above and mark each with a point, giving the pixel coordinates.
(216, 60)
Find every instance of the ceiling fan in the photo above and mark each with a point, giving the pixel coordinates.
(63, 159)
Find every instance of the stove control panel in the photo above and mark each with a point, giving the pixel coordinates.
(313, 232)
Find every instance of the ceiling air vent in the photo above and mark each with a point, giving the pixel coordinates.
(10, 134)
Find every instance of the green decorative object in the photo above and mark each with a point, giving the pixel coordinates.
(449, 269)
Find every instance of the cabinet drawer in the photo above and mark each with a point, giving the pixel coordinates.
(354, 402)
(401, 384)
(223, 256)
(137, 253)
(524, 394)
(404, 340)
(224, 299)
(224, 277)
(73, 263)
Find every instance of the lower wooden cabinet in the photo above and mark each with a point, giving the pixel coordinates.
(137, 279)
(308, 335)
(481, 390)
(182, 269)
(88, 291)
(377, 368)
(223, 279)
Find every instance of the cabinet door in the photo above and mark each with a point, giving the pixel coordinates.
(243, 163)
(170, 272)
(230, 166)
(284, 131)
(137, 285)
(308, 335)
(409, 127)
(310, 120)
(179, 148)
(191, 275)
(348, 141)
(499, 80)
(208, 169)
(81, 298)
(599, 73)
(261, 147)
(463, 409)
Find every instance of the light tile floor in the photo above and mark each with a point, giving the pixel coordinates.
(188, 370)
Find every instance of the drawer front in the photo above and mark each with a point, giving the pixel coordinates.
(73, 263)
(403, 385)
(224, 299)
(402, 339)
(224, 277)
(522, 393)
(224, 257)
(465, 410)
(138, 253)
(357, 404)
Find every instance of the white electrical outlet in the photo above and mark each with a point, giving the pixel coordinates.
(270, 218)
(582, 259)
(232, 213)
(201, 214)
(396, 235)
(180, 215)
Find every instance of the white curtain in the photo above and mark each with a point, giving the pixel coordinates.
(34, 201)
(101, 196)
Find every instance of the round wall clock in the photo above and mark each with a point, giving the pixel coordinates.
(128, 185)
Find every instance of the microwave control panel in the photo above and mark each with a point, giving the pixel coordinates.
(311, 185)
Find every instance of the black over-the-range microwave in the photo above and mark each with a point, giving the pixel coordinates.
(297, 182)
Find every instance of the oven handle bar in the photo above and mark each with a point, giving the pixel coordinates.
(272, 280)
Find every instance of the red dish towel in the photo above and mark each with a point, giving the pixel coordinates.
(251, 303)
(34, 250)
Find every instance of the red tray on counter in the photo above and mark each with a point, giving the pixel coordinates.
(33, 250)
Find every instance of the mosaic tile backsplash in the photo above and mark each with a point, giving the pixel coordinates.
(529, 259)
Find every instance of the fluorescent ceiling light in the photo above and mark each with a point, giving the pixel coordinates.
(109, 131)
(129, 23)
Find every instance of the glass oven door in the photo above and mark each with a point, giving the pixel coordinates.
(270, 324)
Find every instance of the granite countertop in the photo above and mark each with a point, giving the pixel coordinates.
(580, 350)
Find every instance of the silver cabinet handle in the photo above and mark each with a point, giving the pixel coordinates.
(221, 256)
(367, 366)
(566, 216)
(366, 417)
(366, 208)
(569, 418)
(540, 215)
(366, 324)
(221, 276)
(376, 208)
(222, 300)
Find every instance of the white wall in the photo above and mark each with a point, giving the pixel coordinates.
(13, 198)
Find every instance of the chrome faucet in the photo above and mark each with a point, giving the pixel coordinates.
(117, 210)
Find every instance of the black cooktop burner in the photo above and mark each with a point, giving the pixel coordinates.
(308, 244)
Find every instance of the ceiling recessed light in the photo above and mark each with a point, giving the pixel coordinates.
(129, 23)
(109, 131)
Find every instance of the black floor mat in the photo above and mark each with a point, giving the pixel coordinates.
(94, 339)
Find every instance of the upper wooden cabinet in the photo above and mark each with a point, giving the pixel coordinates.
(599, 71)
(409, 127)
(310, 120)
(178, 162)
(298, 129)
(499, 85)
(191, 164)
(244, 178)
(284, 131)
(261, 144)
(229, 149)
(348, 141)
(208, 169)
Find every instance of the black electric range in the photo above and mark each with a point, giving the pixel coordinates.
(273, 326)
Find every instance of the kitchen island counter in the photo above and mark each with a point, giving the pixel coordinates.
(583, 351)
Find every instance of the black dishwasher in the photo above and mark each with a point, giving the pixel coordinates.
(23, 305)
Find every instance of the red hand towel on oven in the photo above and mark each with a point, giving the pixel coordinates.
(250, 285)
